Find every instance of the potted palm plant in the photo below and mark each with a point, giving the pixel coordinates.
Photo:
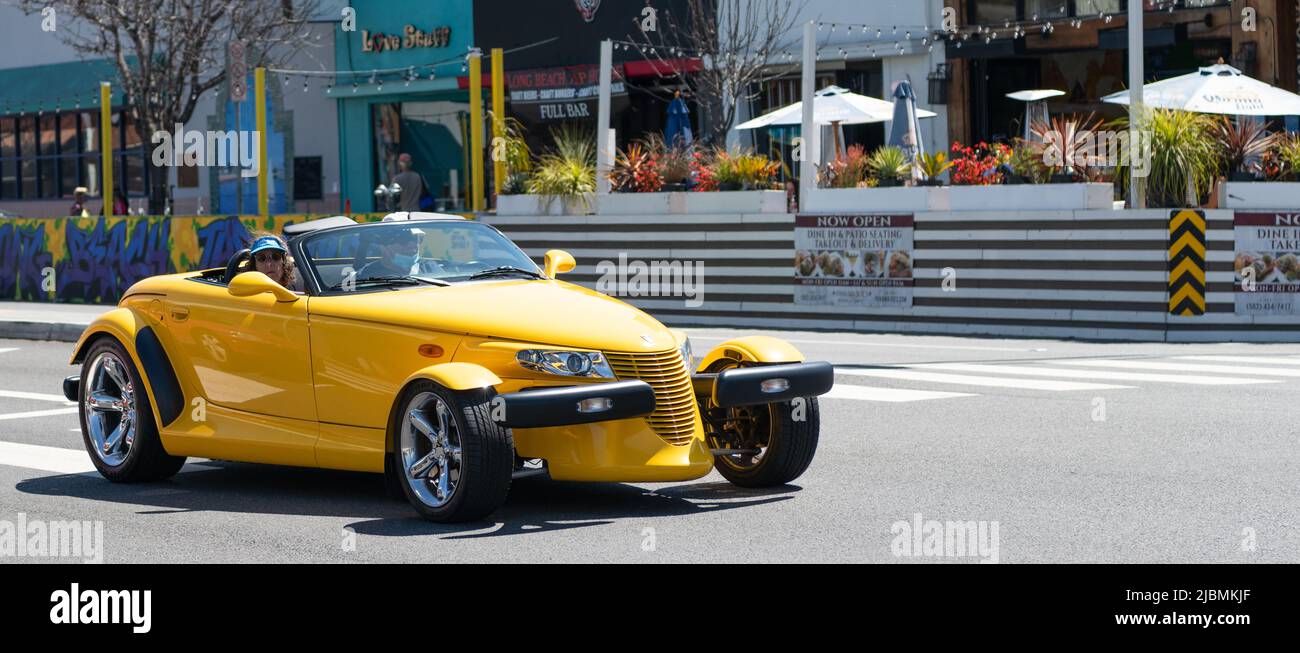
(563, 179)
(933, 165)
(1184, 157)
(889, 166)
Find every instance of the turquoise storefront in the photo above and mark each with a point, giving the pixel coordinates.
(402, 95)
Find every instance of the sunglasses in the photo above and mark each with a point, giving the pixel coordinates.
(263, 257)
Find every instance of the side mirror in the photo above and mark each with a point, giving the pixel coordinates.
(247, 284)
(558, 261)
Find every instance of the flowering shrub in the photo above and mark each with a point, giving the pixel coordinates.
(702, 173)
(978, 165)
(636, 170)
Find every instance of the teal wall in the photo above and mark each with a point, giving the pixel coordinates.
(391, 17)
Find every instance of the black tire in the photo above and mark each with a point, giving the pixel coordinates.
(146, 459)
(487, 455)
(789, 444)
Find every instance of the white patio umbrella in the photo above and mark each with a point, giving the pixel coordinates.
(1218, 89)
(833, 106)
(1035, 106)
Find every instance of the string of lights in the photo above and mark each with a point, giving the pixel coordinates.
(881, 38)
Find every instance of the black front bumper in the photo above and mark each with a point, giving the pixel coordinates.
(562, 406)
(764, 384)
(71, 387)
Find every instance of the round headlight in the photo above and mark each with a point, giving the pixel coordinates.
(578, 364)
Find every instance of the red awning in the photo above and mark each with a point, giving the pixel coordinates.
(665, 67)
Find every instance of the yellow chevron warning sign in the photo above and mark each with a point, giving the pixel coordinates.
(1187, 263)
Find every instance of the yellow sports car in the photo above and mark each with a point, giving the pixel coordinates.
(431, 349)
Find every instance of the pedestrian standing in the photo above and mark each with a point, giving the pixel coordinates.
(411, 182)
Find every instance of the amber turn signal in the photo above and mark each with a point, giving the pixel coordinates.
(431, 351)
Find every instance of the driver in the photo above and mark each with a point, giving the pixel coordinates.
(399, 252)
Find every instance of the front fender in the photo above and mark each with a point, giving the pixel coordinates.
(753, 349)
(121, 323)
(456, 376)
(147, 354)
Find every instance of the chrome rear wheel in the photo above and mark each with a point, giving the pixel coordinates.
(110, 408)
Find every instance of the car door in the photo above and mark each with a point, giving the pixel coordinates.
(251, 354)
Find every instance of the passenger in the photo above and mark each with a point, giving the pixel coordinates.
(270, 256)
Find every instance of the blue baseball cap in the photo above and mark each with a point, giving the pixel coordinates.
(266, 242)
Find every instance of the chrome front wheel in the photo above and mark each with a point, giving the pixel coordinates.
(430, 449)
(450, 459)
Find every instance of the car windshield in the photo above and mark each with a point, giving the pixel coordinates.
(414, 253)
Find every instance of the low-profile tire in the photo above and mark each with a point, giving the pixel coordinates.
(785, 432)
(453, 461)
(117, 422)
(790, 445)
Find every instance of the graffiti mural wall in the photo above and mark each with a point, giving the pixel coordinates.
(94, 260)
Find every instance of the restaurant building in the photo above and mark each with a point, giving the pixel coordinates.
(1085, 53)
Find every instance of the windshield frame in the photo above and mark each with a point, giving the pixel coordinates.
(313, 281)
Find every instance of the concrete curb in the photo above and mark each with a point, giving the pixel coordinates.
(52, 331)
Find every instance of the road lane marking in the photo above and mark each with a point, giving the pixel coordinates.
(1026, 370)
(46, 459)
(985, 381)
(5, 350)
(17, 394)
(881, 344)
(1281, 360)
(1183, 367)
(41, 413)
(66, 461)
(891, 395)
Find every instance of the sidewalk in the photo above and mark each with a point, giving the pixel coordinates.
(38, 321)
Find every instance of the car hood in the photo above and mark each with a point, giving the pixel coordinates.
(542, 311)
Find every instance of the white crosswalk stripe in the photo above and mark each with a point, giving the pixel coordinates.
(1158, 366)
(36, 396)
(890, 395)
(916, 373)
(5, 350)
(1036, 371)
(39, 413)
(1257, 360)
(65, 461)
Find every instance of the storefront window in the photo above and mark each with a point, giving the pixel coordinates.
(388, 140)
(48, 156)
(1099, 7)
(995, 11)
(1046, 9)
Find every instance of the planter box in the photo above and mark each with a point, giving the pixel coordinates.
(1042, 197)
(1032, 197)
(1266, 195)
(876, 200)
(545, 205)
(740, 201)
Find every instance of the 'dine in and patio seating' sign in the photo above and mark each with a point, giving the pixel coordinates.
(853, 260)
(1267, 263)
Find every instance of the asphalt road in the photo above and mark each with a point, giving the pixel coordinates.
(1076, 452)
